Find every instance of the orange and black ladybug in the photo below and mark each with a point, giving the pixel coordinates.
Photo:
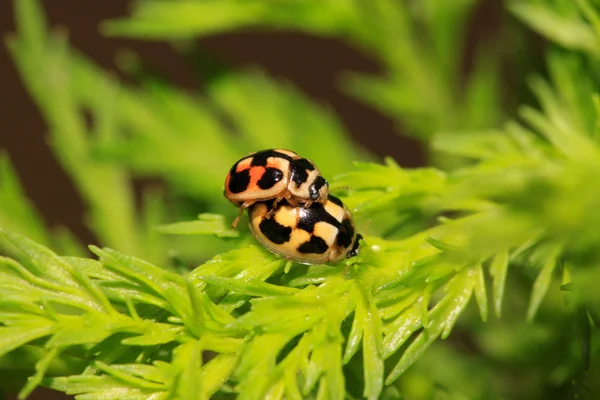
(274, 174)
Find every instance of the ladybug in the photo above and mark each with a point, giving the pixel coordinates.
(317, 234)
(274, 174)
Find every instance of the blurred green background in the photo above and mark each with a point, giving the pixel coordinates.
(130, 115)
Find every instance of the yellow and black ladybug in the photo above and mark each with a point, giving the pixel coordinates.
(317, 234)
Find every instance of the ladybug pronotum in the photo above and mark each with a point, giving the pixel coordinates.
(320, 233)
(274, 174)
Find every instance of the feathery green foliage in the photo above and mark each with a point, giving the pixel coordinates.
(510, 233)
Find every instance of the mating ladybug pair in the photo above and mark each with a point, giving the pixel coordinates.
(290, 209)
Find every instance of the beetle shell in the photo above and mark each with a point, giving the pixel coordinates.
(275, 174)
(321, 233)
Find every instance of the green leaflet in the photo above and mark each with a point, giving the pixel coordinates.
(188, 381)
(154, 337)
(480, 292)
(161, 20)
(247, 286)
(540, 287)
(372, 349)
(216, 372)
(207, 224)
(14, 337)
(91, 387)
(40, 370)
(498, 271)
(399, 330)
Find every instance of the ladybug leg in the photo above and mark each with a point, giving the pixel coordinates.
(237, 219)
(285, 196)
(289, 197)
(242, 208)
(273, 207)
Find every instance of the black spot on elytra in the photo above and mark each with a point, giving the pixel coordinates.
(313, 190)
(259, 159)
(239, 181)
(274, 231)
(315, 245)
(309, 216)
(345, 233)
(270, 178)
(299, 170)
(335, 200)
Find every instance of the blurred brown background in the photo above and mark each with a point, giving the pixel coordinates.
(311, 63)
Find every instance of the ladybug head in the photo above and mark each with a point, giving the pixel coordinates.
(319, 188)
(355, 246)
